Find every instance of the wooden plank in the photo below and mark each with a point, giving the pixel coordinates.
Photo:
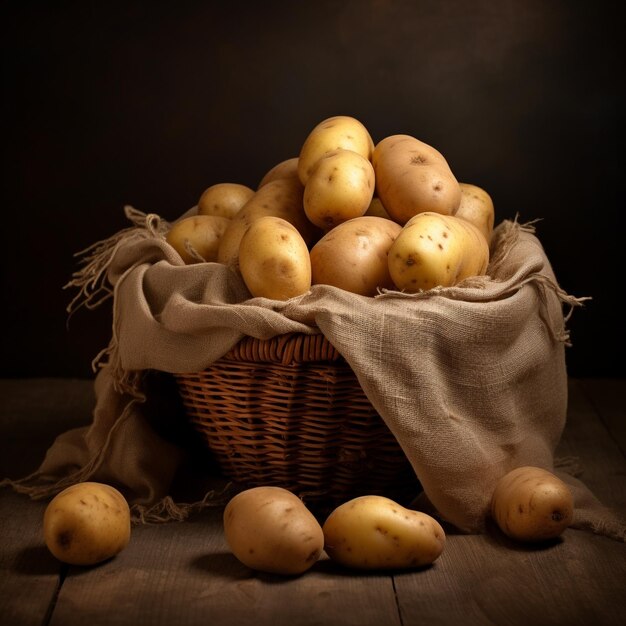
(32, 414)
(29, 575)
(608, 397)
(184, 574)
(596, 452)
(488, 579)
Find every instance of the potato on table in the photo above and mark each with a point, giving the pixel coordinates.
(374, 532)
(269, 529)
(87, 523)
(532, 504)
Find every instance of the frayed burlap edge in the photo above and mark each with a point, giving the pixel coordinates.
(91, 280)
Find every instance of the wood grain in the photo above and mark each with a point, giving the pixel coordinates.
(577, 580)
(594, 448)
(183, 573)
(29, 575)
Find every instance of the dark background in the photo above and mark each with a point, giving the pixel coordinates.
(107, 104)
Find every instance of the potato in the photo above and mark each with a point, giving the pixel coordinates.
(284, 169)
(377, 209)
(532, 504)
(280, 198)
(269, 529)
(340, 132)
(224, 199)
(198, 237)
(274, 259)
(477, 207)
(340, 187)
(353, 255)
(436, 250)
(413, 177)
(87, 523)
(374, 532)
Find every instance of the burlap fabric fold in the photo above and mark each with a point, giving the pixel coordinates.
(470, 379)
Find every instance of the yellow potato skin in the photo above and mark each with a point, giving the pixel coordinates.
(274, 259)
(224, 199)
(202, 232)
(436, 250)
(377, 209)
(285, 169)
(413, 177)
(531, 504)
(87, 523)
(269, 529)
(353, 255)
(279, 198)
(374, 532)
(477, 207)
(340, 132)
(340, 187)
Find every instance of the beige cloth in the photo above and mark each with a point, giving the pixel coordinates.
(470, 379)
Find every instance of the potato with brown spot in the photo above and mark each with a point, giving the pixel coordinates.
(374, 532)
(270, 529)
(197, 238)
(477, 207)
(353, 255)
(224, 199)
(280, 198)
(413, 177)
(340, 132)
(531, 504)
(274, 259)
(435, 250)
(340, 187)
(87, 523)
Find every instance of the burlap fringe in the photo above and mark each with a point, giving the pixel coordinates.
(94, 289)
(91, 278)
(609, 524)
(167, 510)
(39, 486)
(502, 243)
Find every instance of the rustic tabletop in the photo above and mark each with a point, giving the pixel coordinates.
(182, 573)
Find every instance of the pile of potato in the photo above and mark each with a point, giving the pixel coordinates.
(346, 213)
(360, 217)
(270, 529)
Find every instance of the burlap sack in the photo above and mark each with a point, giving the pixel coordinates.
(470, 379)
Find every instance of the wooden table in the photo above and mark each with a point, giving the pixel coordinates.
(183, 573)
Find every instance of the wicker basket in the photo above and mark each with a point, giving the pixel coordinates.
(290, 412)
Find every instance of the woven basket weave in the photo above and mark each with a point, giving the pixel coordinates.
(289, 411)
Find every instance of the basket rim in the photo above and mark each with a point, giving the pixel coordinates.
(294, 347)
